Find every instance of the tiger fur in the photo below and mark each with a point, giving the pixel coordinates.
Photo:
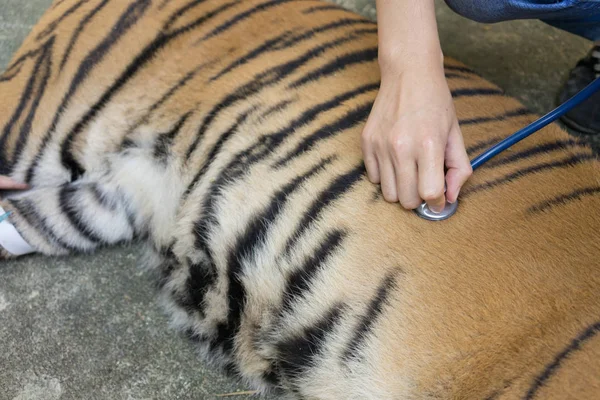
(225, 136)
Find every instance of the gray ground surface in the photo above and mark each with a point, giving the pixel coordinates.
(89, 327)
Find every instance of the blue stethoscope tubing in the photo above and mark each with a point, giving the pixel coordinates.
(538, 124)
(423, 210)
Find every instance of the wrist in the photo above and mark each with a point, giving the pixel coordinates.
(393, 65)
(396, 62)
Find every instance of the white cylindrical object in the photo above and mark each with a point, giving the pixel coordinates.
(11, 240)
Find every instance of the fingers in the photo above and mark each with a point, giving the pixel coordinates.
(457, 163)
(403, 176)
(431, 174)
(406, 183)
(379, 166)
(370, 158)
(409, 139)
(388, 179)
(8, 183)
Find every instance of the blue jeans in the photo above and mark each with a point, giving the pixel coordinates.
(581, 17)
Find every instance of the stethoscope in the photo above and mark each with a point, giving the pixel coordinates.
(424, 212)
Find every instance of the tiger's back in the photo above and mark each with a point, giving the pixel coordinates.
(226, 135)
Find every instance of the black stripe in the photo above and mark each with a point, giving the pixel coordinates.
(82, 24)
(23, 101)
(482, 145)
(282, 105)
(324, 7)
(299, 282)
(26, 127)
(203, 226)
(347, 121)
(56, 4)
(337, 64)
(543, 148)
(52, 25)
(286, 40)
(271, 377)
(370, 317)
(180, 12)
(323, 28)
(254, 53)
(460, 69)
(163, 142)
(338, 188)
(18, 64)
(254, 235)
(202, 276)
(267, 144)
(364, 30)
(8, 76)
(180, 84)
(258, 227)
(202, 230)
(260, 81)
(242, 16)
(37, 221)
(496, 118)
(126, 141)
(101, 198)
(43, 59)
(468, 92)
(312, 113)
(567, 162)
(552, 368)
(297, 354)
(68, 207)
(564, 199)
(125, 22)
(450, 75)
(163, 4)
(138, 63)
(214, 152)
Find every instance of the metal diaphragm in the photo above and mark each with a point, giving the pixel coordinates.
(425, 212)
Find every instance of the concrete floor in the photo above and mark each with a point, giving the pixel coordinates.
(89, 327)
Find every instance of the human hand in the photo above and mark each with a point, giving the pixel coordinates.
(7, 183)
(412, 136)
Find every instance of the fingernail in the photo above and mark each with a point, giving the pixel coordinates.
(436, 210)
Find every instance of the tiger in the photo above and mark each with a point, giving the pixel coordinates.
(225, 136)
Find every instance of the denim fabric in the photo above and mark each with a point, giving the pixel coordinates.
(581, 17)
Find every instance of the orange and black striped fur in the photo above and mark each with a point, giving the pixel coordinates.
(225, 134)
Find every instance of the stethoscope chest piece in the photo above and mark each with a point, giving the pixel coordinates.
(425, 212)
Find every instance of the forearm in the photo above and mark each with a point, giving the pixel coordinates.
(408, 35)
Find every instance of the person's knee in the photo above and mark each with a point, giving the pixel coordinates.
(477, 10)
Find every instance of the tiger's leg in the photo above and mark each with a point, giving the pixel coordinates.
(74, 217)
